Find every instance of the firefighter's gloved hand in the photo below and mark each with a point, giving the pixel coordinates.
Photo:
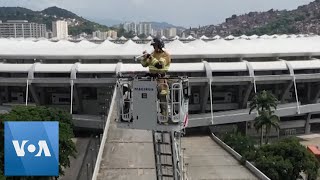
(158, 65)
(147, 56)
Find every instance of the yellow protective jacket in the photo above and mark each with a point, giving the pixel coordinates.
(163, 58)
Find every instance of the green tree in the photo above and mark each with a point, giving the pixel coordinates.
(238, 142)
(284, 24)
(286, 159)
(1, 176)
(123, 32)
(142, 36)
(265, 103)
(67, 148)
(275, 167)
(266, 120)
(262, 101)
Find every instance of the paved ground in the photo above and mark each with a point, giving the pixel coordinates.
(80, 167)
(207, 160)
(76, 163)
(310, 139)
(129, 155)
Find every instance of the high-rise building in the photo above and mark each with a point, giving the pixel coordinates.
(100, 35)
(133, 27)
(49, 35)
(60, 29)
(170, 32)
(113, 34)
(104, 35)
(125, 26)
(130, 26)
(160, 33)
(140, 28)
(22, 29)
(144, 28)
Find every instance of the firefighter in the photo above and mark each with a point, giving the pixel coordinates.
(158, 62)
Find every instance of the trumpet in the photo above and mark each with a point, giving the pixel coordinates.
(136, 58)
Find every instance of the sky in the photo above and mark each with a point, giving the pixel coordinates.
(186, 13)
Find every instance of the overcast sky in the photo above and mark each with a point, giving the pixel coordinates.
(178, 12)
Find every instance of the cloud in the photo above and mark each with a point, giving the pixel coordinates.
(178, 12)
(138, 2)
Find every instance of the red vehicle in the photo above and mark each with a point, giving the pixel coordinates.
(314, 150)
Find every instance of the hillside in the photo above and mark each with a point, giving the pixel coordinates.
(164, 25)
(304, 19)
(76, 24)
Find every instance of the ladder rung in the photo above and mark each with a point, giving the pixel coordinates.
(166, 165)
(163, 132)
(166, 175)
(165, 154)
(163, 143)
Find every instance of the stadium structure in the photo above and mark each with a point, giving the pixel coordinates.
(224, 74)
(231, 71)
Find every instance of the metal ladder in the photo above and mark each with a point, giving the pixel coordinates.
(167, 155)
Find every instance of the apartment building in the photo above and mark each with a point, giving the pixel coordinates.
(60, 29)
(21, 29)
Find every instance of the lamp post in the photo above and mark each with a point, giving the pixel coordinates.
(88, 173)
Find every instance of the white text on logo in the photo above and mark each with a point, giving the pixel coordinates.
(42, 144)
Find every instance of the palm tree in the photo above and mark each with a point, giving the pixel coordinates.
(264, 103)
(265, 100)
(267, 120)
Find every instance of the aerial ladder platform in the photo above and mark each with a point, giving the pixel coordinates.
(140, 106)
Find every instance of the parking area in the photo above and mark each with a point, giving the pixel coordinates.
(310, 139)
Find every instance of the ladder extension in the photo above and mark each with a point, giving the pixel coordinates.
(167, 155)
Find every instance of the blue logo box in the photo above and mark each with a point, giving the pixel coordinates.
(31, 148)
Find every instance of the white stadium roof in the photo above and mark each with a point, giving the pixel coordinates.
(204, 37)
(122, 38)
(311, 64)
(149, 38)
(175, 67)
(198, 59)
(260, 47)
(15, 68)
(190, 37)
(273, 65)
(96, 68)
(136, 38)
(57, 68)
(163, 37)
(216, 37)
(228, 66)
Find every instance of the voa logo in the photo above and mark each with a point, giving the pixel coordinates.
(31, 148)
(42, 146)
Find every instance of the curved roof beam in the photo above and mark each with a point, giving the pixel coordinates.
(74, 69)
(31, 71)
(208, 69)
(291, 71)
(208, 93)
(118, 68)
(294, 83)
(251, 73)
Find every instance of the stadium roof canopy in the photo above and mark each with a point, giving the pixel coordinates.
(175, 67)
(260, 47)
(136, 38)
